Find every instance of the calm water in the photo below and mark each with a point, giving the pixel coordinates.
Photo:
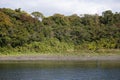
(60, 70)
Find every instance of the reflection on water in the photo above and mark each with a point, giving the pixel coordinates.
(60, 70)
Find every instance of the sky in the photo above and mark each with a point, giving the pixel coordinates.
(66, 7)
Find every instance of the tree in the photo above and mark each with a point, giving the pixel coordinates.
(107, 17)
(18, 29)
(60, 19)
(75, 20)
(38, 15)
(18, 10)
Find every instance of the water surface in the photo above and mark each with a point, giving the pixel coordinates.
(60, 70)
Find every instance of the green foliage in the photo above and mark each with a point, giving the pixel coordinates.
(49, 46)
(20, 32)
(107, 17)
(92, 46)
(37, 15)
(108, 43)
(74, 20)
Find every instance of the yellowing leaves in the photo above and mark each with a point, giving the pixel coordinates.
(5, 20)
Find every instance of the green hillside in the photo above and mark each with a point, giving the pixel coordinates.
(21, 32)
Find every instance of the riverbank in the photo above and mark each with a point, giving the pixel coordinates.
(59, 58)
(82, 55)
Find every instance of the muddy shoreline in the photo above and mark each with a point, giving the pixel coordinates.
(59, 58)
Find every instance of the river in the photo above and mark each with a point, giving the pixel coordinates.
(60, 70)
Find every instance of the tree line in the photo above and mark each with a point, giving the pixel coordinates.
(21, 31)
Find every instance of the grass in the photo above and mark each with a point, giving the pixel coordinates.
(101, 52)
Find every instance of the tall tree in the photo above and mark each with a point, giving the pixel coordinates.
(107, 17)
(38, 15)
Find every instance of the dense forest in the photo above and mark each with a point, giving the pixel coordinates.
(22, 32)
